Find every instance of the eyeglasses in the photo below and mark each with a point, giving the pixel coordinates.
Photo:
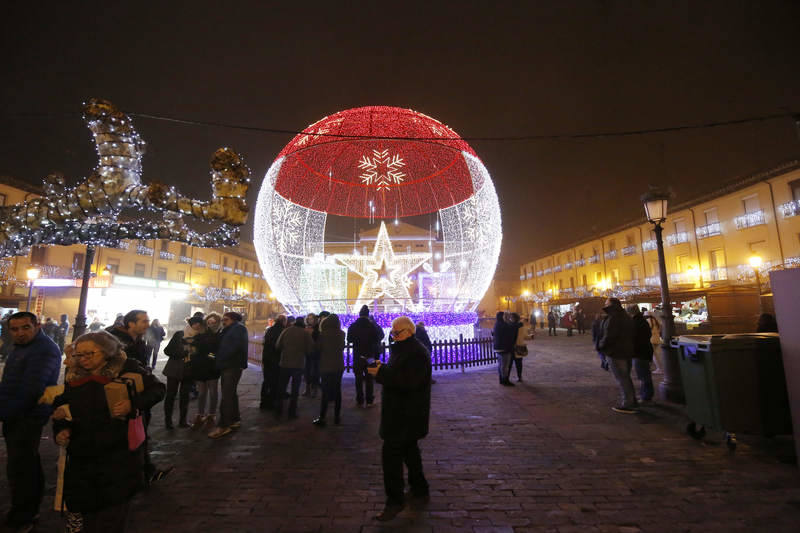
(395, 333)
(85, 354)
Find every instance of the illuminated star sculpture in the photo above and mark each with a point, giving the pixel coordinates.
(385, 273)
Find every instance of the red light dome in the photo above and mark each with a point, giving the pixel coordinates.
(376, 161)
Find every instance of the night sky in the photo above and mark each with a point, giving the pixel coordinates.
(486, 69)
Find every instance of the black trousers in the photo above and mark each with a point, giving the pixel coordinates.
(517, 365)
(395, 453)
(24, 468)
(173, 386)
(331, 391)
(311, 373)
(112, 518)
(269, 387)
(296, 375)
(363, 381)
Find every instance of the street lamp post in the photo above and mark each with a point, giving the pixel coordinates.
(32, 274)
(80, 318)
(671, 388)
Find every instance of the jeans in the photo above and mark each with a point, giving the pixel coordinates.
(295, 374)
(363, 381)
(503, 365)
(173, 385)
(642, 367)
(621, 368)
(229, 405)
(208, 390)
(24, 468)
(394, 454)
(311, 373)
(331, 391)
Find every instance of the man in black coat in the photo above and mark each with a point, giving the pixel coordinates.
(642, 353)
(405, 411)
(616, 344)
(270, 359)
(366, 337)
(505, 337)
(131, 335)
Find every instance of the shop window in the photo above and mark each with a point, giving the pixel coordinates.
(751, 204)
(162, 273)
(38, 255)
(138, 270)
(180, 276)
(77, 262)
(165, 246)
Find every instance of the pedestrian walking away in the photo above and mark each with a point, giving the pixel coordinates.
(330, 346)
(642, 353)
(33, 363)
(270, 363)
(616, 344)
(365, 335)
(405, 412)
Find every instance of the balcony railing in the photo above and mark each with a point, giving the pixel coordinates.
(629, 250)
(709, 230)
(748, 220)
(611, 254)
(631, 283)
(649, 245)
(522, 277)
(790, 209)
(250, 274)
(580, 262)
(557, 268)
(653, 281)
(548, 270)
(144, 250)
(539, 273)
(593, 260)
(716, 274)
(200, 263)
(238, 271)
(214, 266)
(677, 238)
(227, 269)
(123, 245)
(567, 266)
(167, 256)
(185, 260)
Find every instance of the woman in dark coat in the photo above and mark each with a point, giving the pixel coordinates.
(330, 346)
(178, 380)
(202, 369)
(642, 353)
(102, 473)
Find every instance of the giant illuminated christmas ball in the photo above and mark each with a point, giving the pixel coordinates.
(378, 163)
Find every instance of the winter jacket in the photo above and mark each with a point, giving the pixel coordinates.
(422, 336)
(176, 351)
(101, 471)
(616, 339)
(154, 335)
(202, 365)
(642, 349)
(233, 346)
(505, 334)
(366, 337)
(136, 349)
(294, 344)
(270, 355)
(330, 345)
(28, 370)
(406, 394)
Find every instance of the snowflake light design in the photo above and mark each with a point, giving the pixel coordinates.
(381, 170)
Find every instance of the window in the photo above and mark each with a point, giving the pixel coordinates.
(2, 199)
(77, 262)
(183, 251)
(680, 225)
(612, 245)
(180, 276)
(584, 280)
(560, 284)
(224, 283)
(654, 268)
(716, 258)
(635, 272)
(112, 265)
(162, 273)
(615, 276)
(794, 186)
(572, 283)
(138, 270)
(225, 260)
(165, 246)
(38, 255)
(682, 262)
(751, 204)
(629, 240)
(598, 277)
(758, 248)
(711, 215)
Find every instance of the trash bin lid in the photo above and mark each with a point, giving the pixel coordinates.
(751, 340)
(699, 339)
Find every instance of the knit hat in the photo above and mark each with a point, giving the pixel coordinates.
(364, 311)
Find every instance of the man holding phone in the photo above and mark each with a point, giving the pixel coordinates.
(366, 337)
(405, 411)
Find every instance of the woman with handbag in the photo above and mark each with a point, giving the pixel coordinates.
(520, 348)
(105, 456)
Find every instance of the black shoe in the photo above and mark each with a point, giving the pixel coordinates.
(183, 424)
(168, 424)
(320, 422)
(389, 512)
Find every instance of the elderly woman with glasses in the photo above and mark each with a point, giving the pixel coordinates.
(102, 473)
(405, 410)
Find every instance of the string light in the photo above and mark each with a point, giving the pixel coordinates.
(88, 213)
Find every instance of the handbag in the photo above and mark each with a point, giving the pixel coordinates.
(520, 350)
(136, 434)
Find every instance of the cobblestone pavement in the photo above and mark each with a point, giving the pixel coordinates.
(547, 455)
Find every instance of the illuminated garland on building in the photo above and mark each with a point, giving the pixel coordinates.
(369, 178)
(87, 213)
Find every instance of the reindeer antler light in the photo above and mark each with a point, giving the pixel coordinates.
(87, 213)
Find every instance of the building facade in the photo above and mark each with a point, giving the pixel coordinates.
(718, 247)
(169, 280)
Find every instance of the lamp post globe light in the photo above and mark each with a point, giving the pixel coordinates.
(32, 274)
(655, 207)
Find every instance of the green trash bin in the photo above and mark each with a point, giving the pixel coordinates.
(734, 383)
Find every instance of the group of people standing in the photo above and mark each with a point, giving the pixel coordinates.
(509, 345)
